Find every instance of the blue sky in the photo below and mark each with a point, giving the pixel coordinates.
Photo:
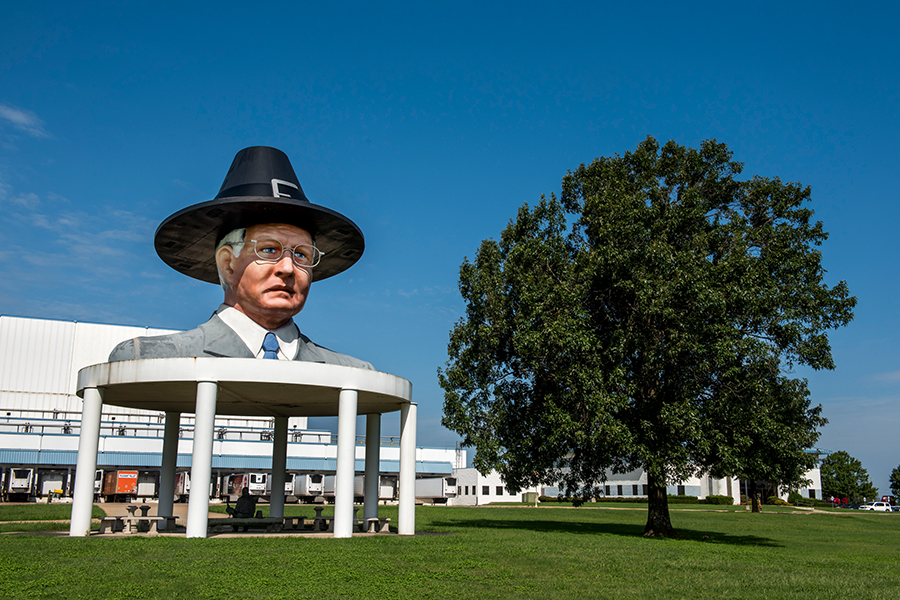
(429, 125)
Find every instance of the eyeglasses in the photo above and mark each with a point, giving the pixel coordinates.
(303, 255)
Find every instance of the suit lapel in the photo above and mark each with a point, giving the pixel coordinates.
(220, 340)
(307, 351)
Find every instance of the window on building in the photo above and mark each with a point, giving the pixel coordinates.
(812, 493)
(681, 490)
(619, 490)
(485, 490)
(606, 490)
(634, 490)
(644, 486)
(466, 493)
(499, 490)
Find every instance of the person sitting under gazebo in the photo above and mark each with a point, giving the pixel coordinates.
(244, 508)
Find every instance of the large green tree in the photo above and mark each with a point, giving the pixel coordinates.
(844, 477)
(895, 481)
(644, 320)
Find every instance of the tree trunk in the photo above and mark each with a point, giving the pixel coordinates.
(658, 523)
(754, 499)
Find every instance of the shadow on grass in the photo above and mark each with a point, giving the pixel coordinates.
(625, 530)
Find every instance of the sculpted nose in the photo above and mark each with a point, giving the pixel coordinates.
(285, 264)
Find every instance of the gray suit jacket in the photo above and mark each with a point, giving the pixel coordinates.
(215, 338)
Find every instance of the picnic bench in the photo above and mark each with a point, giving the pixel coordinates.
(376, 525)
(135, 524)
(111, 525)
(272, 524)
(295, 522)
(370, 525)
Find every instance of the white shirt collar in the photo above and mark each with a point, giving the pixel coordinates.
(252, 333)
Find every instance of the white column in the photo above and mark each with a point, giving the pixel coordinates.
(201, 460)
(406, 524)
(169, 464)
(279, 465)
(88, 445)
(373, 449)
(346, 464)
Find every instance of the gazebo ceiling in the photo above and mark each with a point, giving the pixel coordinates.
(246, 386)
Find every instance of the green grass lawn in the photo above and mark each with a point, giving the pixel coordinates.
(42, 512)
(39, 517)
(485, 552)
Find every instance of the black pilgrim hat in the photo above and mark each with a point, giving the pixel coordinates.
(260, 187)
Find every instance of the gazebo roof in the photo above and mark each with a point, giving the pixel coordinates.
(246, 386)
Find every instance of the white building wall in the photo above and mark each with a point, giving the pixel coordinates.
(475, 489)
(40, 360)
(710, 486)
(813, 489)
(623, 485)
(35, 360)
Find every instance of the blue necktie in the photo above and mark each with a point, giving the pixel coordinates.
(270, 346)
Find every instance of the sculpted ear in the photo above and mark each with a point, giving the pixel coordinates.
(225, 261)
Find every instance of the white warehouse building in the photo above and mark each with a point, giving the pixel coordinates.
(474, 489)
(40, 418)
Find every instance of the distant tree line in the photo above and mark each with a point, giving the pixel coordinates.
(844, 477)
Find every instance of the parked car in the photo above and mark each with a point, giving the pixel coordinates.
(876, 506)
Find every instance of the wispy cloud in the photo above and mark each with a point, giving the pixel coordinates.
(94, 246)
(29, 200)
(41, 221)
(57, 198)
(889, 376)
(24, 120)
(428, 290)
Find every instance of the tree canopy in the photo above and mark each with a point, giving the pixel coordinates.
(844, 477)
(646, 319)
(895, 481)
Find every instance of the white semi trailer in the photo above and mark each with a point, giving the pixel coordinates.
(234, 484)
(182, 486)
(387, 487)
(308, 486)
(19, 484)
(300, 486)
(288, 485)
(436, 489)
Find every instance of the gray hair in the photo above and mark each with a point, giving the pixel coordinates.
(235, 239)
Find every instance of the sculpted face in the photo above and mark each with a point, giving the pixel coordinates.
(270, 293)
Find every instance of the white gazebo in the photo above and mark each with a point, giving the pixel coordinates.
(249, 387)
